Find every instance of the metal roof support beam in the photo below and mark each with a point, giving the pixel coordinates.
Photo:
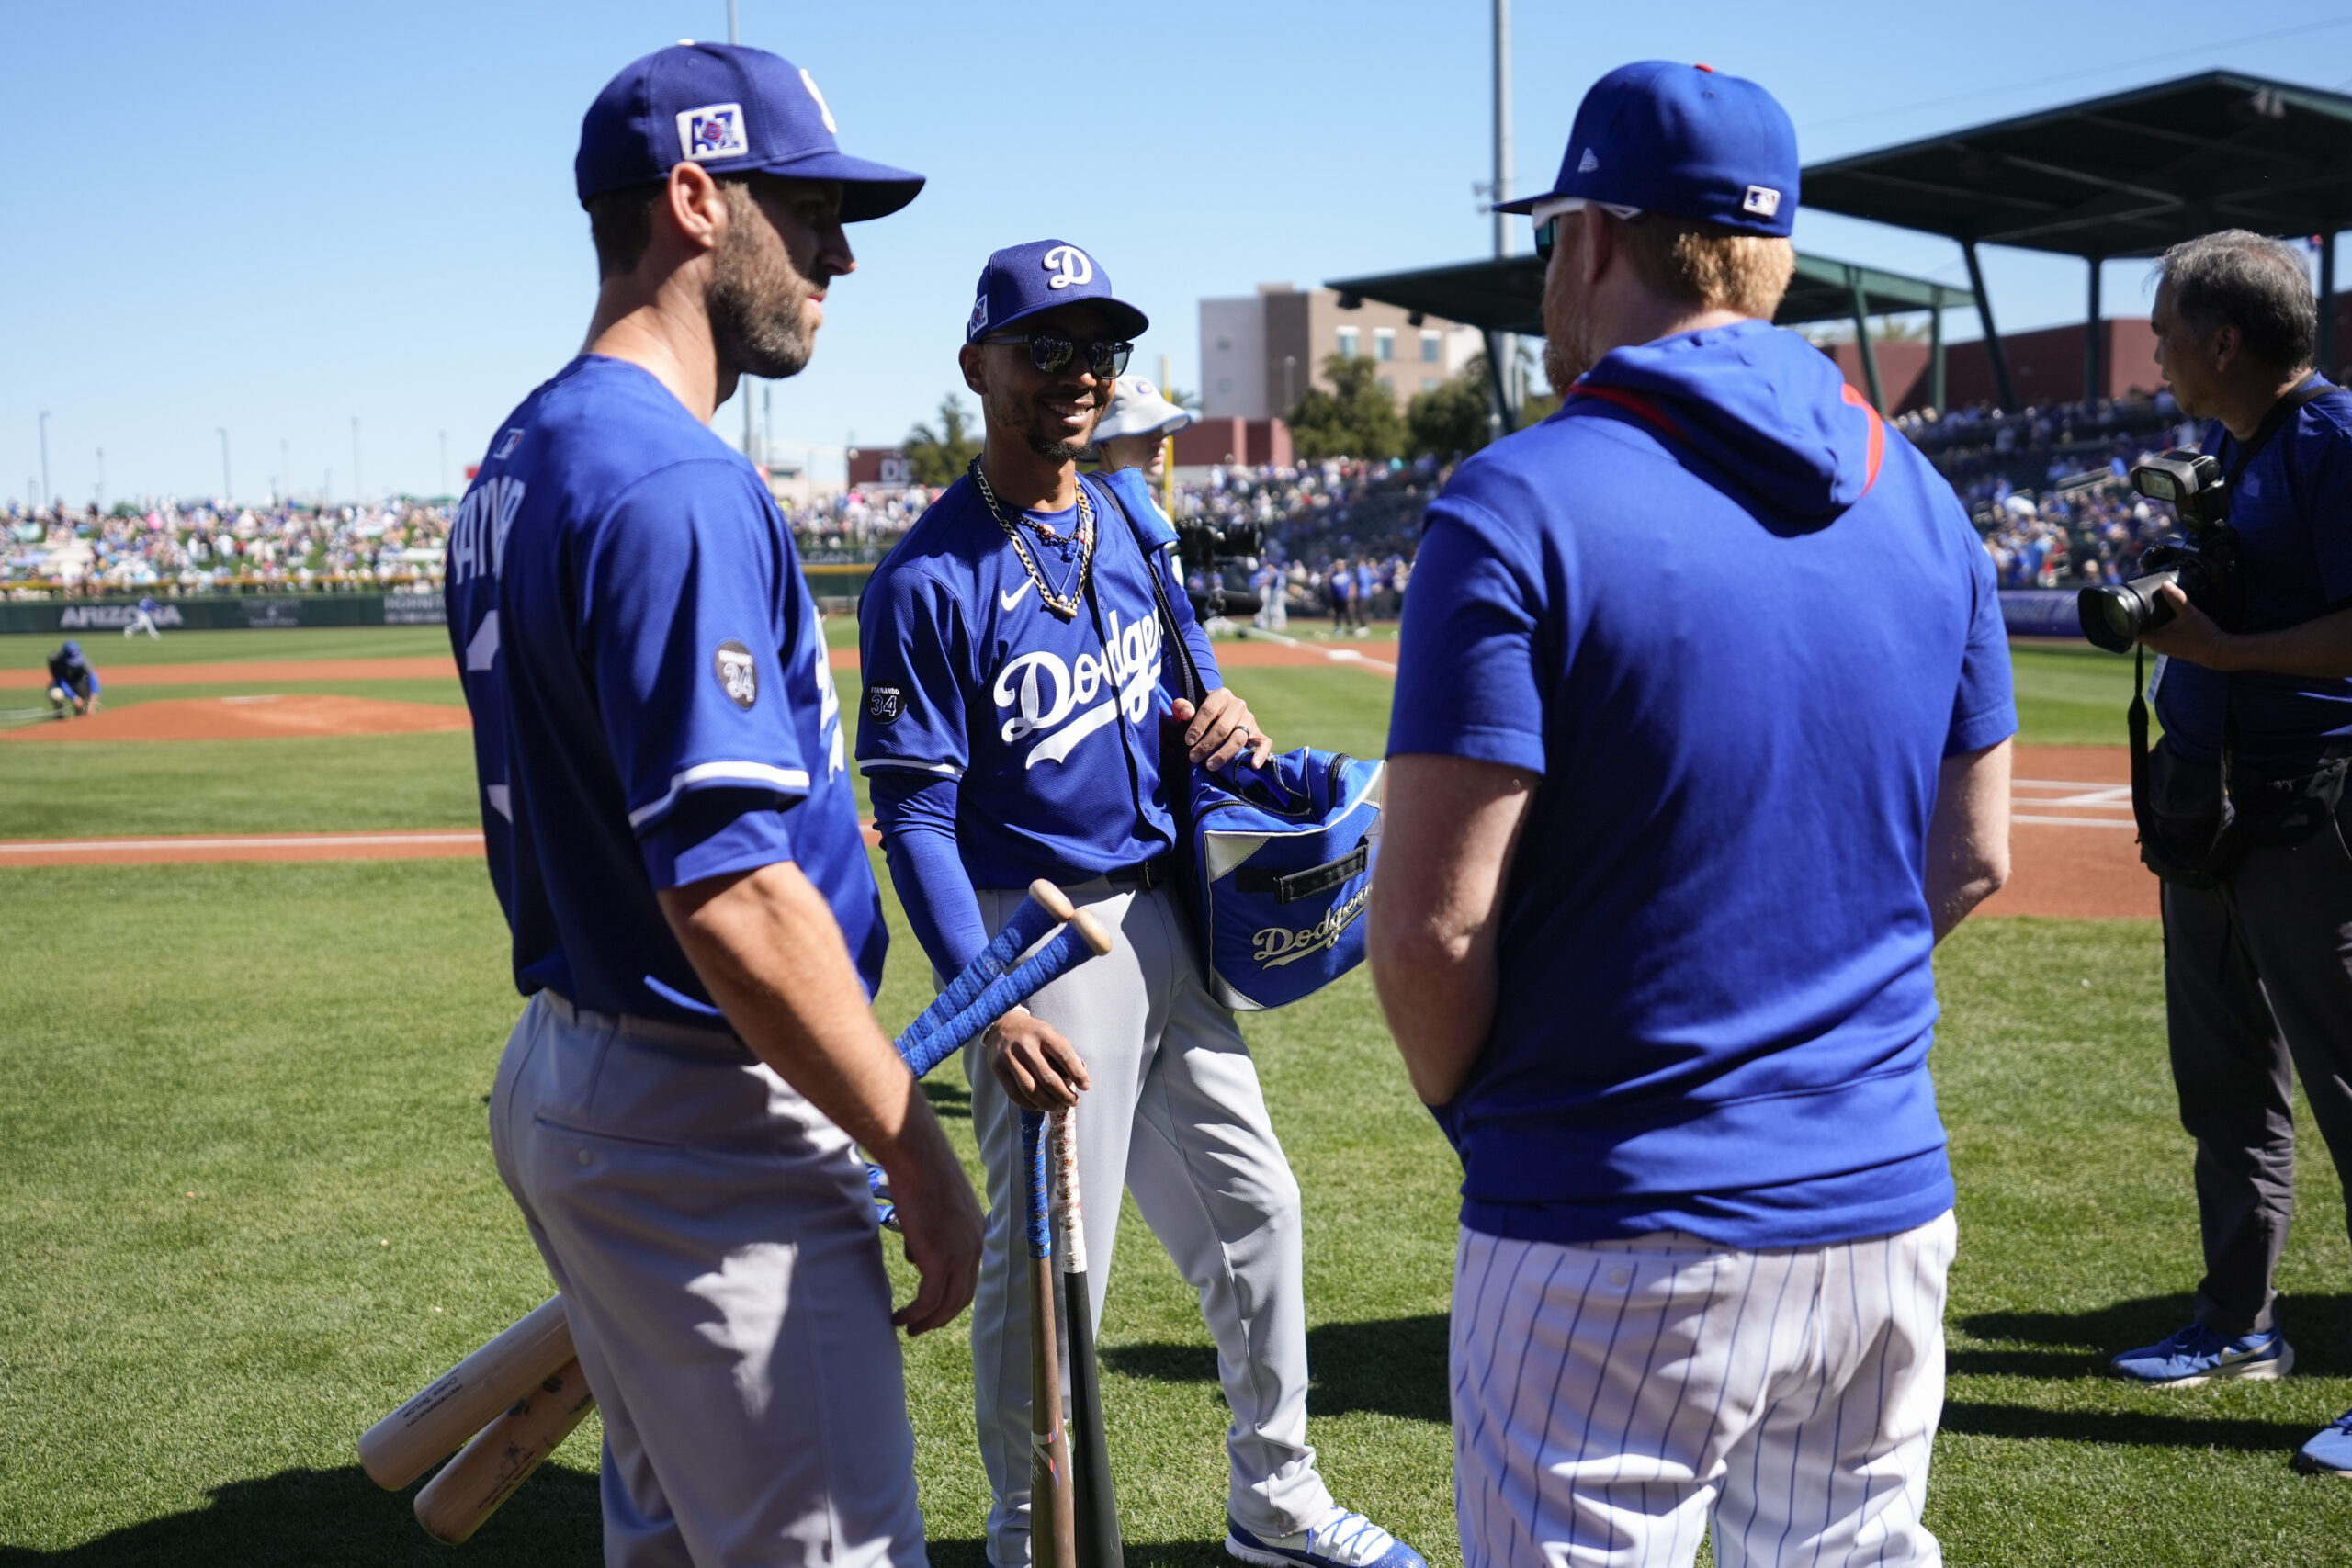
(1506, 419)
(1863, 343)
(2327, 365)
(2093, 344)
(1936, 360)
(2003, 388)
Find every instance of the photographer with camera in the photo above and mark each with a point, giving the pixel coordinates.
(2240, 801)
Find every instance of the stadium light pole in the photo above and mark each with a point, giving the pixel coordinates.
(734, 24)
(1502, 124)
(46, 499)
(102, 478)
(226, 489)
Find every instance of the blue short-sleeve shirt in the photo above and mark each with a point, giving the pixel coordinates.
(1736, 641)
(2292, 511)
(651, 694)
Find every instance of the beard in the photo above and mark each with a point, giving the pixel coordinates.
(756, 297)
(1567, 337)
(1013, 411)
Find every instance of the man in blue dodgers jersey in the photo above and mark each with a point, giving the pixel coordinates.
(674, 836)
(1700, 741)
(1014, 664)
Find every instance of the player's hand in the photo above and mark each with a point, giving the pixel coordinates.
(2191, 635)
(1039, 1069)
(940, 1218)
(1221, 728)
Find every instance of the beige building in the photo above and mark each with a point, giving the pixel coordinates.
(1259, 354)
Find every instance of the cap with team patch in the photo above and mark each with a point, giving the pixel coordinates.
(734, 110)
(1021, 281)
(1685, 140)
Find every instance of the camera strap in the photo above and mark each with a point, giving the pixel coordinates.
(2282, 410)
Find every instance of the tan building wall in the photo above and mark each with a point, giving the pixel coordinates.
(1297, 330)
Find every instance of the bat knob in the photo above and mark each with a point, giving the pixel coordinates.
(1092, 929)
(1052, 899)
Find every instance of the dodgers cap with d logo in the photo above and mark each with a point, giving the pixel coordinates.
(1022, 281)
(1685, 140)
(734, 110)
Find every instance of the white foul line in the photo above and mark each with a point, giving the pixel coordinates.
(1336, 655)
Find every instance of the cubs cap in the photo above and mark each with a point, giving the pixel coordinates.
(1022, 281)
(1138, 409)
(1685, 140)
(734, 110)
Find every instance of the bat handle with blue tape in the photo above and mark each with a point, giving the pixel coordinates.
(1045, 908)
(1081, 939)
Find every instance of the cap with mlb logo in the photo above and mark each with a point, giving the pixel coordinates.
(1685, 140)
(734, 110)
(1020, 281)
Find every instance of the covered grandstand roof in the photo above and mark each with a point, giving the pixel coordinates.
(1505, 294)
(2122, 175)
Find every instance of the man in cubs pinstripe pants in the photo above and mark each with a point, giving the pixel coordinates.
(1700, 743)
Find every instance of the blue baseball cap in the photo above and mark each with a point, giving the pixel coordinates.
(1684, 140)
(1022, 281)
(734, 110)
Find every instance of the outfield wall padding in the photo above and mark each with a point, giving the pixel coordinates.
(238, 612)
(2041, 611)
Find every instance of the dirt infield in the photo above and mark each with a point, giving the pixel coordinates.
(248, 718)
(249, 671)
(2073, 850)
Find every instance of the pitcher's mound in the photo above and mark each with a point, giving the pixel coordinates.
(249, 718)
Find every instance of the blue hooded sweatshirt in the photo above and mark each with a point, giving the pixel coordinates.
(1736, 623)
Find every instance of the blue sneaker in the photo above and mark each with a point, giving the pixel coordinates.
(1340, 1540)
(2197, 1354)
(2330, 1453)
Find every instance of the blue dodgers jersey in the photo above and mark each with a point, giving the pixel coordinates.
(1737, 640)
(1051, 726)
(2292, 509)
(652, 698)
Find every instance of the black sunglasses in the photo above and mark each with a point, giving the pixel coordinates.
(1547, 234)
(1050, 352)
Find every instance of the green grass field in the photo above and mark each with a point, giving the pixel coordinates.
(246, 1204)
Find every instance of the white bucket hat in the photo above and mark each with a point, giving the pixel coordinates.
(1138, 409)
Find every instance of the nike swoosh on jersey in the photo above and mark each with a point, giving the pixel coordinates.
(1012, 599)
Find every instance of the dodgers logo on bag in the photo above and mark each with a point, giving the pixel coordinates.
(1283, 857)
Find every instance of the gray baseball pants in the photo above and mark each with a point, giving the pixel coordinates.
(716, 1247)
(1175, 1115)
(2257, 990)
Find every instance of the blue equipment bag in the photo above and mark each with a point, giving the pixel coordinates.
(1277, 860)
(1281, 859)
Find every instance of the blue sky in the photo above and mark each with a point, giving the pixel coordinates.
(271, 219)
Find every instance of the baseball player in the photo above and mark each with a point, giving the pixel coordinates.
(1014, 664)
(73, 683)
(143, 619)
(672, 834)
(1660, 878)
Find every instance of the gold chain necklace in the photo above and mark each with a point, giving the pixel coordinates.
(1066, 607)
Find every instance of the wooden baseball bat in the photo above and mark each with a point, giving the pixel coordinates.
(1053, 1532)
(1095, 1501)
(454, 1406)
(470, 1487)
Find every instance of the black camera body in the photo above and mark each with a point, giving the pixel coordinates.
(1205, 547)
(1201, 545)
(2208, 565)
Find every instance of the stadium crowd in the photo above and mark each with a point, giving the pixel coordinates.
(172, 548)
(2048, 485)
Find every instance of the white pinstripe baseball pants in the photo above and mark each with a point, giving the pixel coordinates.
(1612, 1399)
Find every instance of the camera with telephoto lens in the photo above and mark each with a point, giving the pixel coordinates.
(2205, 566)
(1205, 547)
